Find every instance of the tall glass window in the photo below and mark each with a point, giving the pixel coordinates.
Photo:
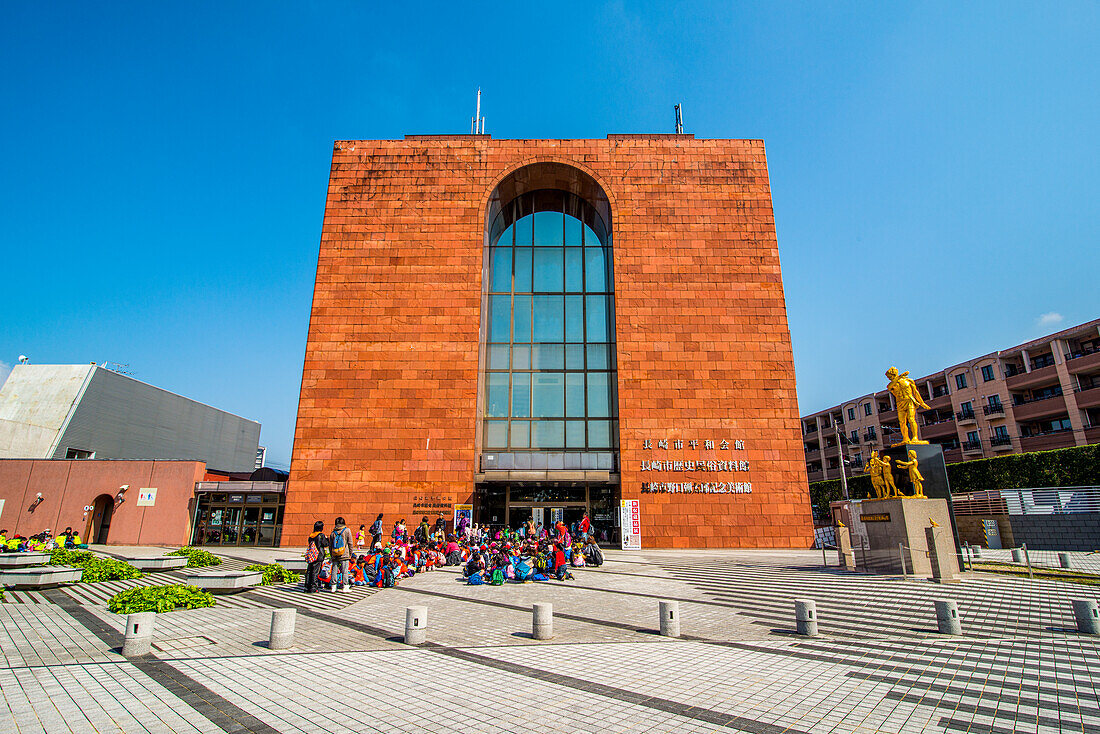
(550, 362)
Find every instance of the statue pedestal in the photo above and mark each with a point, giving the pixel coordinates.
(886, 523)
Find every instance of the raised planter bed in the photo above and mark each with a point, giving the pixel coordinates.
(158, 563)
(224, 582)
(22, 560)
(298, 565)
(39, 577)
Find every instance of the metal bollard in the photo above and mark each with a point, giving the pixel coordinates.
(1087, 614)
(281, 636)
(138, 639)
(1064, 561)
(947, 617)
(901, 557)
(542, 621)
(416, 625)
(805, 617)
(670, 618)
(1017, 555)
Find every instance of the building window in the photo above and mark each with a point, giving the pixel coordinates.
(855, 436)
(866, 409)
(1000, 432)
(851, 414)
(550, 362)
(960, 381)
(987, 373)
(79, 454)
(994, 400)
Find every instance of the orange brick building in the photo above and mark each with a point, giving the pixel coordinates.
(538, 328)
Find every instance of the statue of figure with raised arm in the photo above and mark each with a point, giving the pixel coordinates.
(907, 397)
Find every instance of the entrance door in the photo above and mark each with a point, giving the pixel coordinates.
(231, 525)
(100, 523)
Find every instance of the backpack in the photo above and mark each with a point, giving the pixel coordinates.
(523, 571)
(388, 579)
(454, 559)
(497, 578)
(313, 554)
(475, 579)
(376, 528)
(339, 548)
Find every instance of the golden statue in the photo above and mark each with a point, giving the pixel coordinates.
(915, 476)
(874, 468)
(888, 479)
(907, 397)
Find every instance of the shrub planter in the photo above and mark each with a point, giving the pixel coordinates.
(39, 577)
(224, 582)
(158, 563)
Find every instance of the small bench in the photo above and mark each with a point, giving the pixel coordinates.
(23, 560)
(297, 565)
(224, 582)
(39, 577)
(158, 563)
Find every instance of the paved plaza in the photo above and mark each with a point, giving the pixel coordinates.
(879, 664)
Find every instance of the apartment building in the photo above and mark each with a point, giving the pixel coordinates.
(1041, 395)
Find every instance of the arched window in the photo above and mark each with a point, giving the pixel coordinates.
(549, 367)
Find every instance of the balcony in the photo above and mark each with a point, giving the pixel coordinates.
(994, 409)
(811, 429)
(1092, 435)
(815, 476)
(972, 445)
(1001, 442)
(1088, 397)
(952, 456)
(939, 429)
(869, 436)
(1034, 378)
(965, 415)
(812, 451)
(940, 401)
(1045, 441)
(1083, 361)
(1040, 408)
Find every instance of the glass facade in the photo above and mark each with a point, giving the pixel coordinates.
(550, 333)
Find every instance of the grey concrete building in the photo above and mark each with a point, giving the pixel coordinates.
(88, 412)
(1044, 394)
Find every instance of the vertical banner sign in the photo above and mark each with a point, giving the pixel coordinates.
(557, 514)
(464, 510)
(538, 515)
(631, 521)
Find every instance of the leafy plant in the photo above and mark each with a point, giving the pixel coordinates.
(95, 568)
(275, 574)
(197, 557)
(159, 599)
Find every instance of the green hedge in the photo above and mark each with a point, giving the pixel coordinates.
(197, 557)
(159, 599)
(1078, 466)
(274, 574)
(95, 568)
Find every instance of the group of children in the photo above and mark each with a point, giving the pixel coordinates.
(485, 557)
(42, 542)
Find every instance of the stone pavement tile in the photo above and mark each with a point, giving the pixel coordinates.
(44, 634)
(218, 632)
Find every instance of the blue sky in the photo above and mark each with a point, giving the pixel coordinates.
(934, 165)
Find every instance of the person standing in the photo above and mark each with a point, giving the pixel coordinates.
(340, 552)
(584, 526)
(315, 556)
(376, 531)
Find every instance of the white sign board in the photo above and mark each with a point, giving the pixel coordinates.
(557, 514)
(631, 524)
(147, 497)
(537, 515)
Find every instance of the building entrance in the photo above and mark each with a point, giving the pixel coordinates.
(511, 505)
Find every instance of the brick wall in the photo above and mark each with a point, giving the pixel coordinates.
(387, 415)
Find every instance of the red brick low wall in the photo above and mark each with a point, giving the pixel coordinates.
(68, 486)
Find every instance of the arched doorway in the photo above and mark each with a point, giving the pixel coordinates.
(99, 524)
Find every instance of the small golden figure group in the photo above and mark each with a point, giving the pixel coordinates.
(882, 476)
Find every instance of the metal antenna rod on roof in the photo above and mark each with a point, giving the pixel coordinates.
(477, 124)
(679, 121)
